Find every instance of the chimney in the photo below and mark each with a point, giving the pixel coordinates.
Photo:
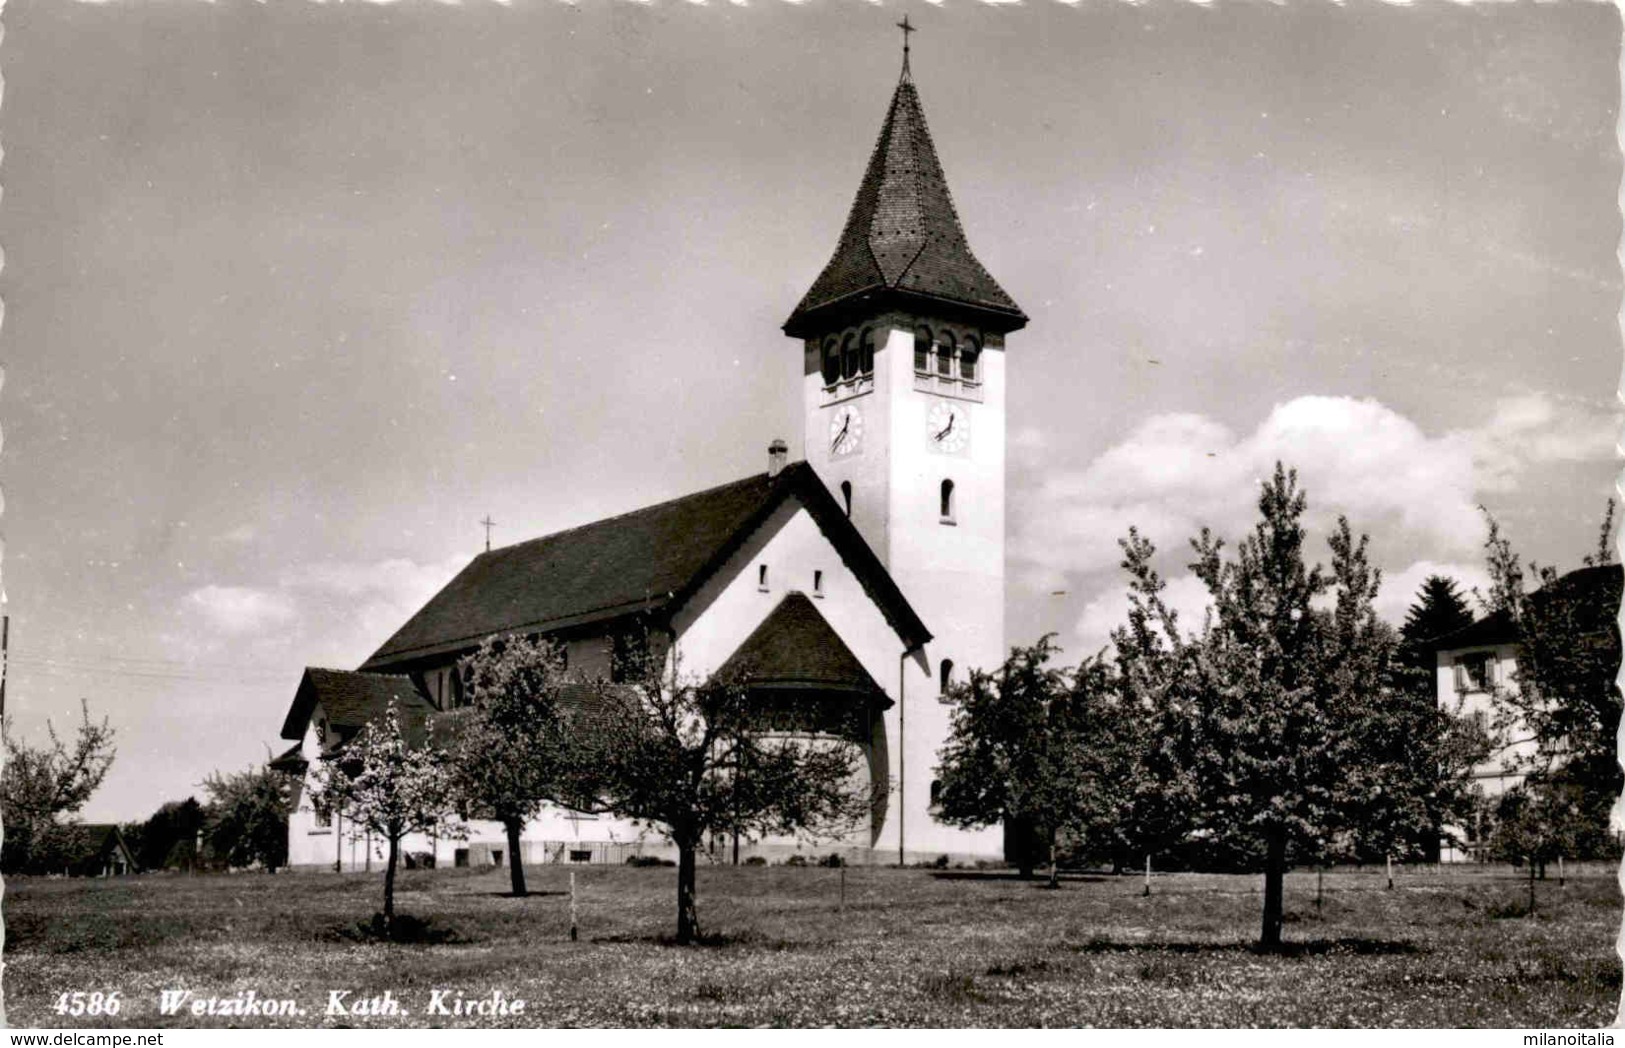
(778, 453)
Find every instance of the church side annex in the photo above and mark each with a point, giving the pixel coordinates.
(859, 583)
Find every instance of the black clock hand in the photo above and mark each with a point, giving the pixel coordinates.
(844, 426)
(946, 428)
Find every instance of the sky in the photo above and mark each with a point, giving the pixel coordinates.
(295, 294)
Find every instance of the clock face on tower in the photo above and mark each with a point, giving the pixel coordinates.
(947, 427)
(845, 431)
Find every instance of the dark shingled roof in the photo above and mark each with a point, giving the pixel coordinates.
(794, 647)
(1492, 629)
(352, 699)
(639, 562)
(1595, 591)
(86, 844)
(903, 238)
(292, 760)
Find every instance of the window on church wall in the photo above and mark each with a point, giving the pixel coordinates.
(831, 362)
(922, 349)
(866, 352)
(818, 583)
(849, 356)
(846, 496)
(946, 675)
(967, 359)
(947, 500)
(628, 653)
(945, 354)
(761, 577)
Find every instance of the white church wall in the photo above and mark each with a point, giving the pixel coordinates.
(732, 604)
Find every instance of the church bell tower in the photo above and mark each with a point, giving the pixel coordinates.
(903, 380)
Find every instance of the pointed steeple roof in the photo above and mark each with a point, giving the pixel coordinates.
(902, 238)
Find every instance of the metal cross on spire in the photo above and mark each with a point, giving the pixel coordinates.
(488, 524)
(907, 29)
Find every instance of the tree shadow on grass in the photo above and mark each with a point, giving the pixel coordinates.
(1040, 880)
(1348, 946)
(511, 895)
(705, 940)
(406, 930)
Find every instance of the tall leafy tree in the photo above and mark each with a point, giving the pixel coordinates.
(1408, 763)
(246, 818)
(1565, 696)
(508, 752)
(390, 785)
(687, 756)
(41, 784)
(1156, 731)
(1440, 608)
(170, 837)
(1018, 752)
(1268, 766)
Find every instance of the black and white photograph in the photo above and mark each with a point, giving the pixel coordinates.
(811, 513)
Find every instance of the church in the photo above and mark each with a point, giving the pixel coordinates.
(858, 584)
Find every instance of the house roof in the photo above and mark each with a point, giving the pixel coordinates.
(1492, 629)
(351, 699)
(89, 841)
(637, 563)
(795, 648)
(290, 760)
(902, 237)
(1596, 590)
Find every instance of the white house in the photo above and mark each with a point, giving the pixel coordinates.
(858, 583)
(1477, 663)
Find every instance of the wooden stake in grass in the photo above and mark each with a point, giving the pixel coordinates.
(1531, 886)
(1389, 859)
(843, 888)
(1320, 885)
(1560, 871)
(572, 906)
(1147, 891)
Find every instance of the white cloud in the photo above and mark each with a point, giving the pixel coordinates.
(1401, 588)
(237, 610)
(1537, 428)
(1177, 473)
(1184, 594)
(1417, 494)
(328, 613)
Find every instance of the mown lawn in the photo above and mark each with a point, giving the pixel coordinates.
(909, 948)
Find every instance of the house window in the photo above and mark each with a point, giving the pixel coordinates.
(947, 502)
(831, 362)
(946, 675)
(967, 359)
(1475, 672)
(936, 792)
(818, 583)
(761, 577)
(945, 355)
(922, 349)
(846, 495)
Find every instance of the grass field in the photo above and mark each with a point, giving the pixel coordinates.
(1447, 947)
